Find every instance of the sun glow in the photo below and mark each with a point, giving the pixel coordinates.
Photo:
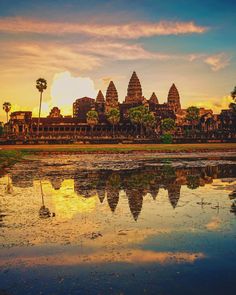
(66, 89)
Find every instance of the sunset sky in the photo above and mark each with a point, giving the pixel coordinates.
(79, 46)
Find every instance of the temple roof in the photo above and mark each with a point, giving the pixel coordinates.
(154, 98)
(100, 97)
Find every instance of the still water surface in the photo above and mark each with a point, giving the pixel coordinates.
(118, 225)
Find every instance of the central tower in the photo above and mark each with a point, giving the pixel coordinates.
(134, 91)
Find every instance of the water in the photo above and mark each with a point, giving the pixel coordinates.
(118, 224)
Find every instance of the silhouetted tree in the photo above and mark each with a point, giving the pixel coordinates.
(192, 116)
(41, 85)
(149, 121)
(232, 105)
(136, 116)
(7, 107)
(92, 119)
(113, 117)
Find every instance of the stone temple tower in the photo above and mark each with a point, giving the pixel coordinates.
(134, 91)
(100, 97)
(153, 99)
(173, 99)
(111, 97)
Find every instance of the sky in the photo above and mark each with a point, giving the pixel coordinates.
(79, 46)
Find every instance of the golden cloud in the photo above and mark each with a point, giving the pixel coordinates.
(214, 224)
(215, 104)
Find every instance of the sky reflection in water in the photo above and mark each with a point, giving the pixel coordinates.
(154, 220)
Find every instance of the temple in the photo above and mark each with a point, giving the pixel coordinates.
(22, 126)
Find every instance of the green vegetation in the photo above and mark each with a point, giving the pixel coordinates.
(113, 117)
(92, 119)
(167, 125)
(1, 128)
(193, 116)
(93, 148)
(167, 138)
(141, 116)
(10, 157)
(232, 105)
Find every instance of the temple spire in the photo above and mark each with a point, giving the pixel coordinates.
(100, 97)
(173, 99)
(134, 91)
(111, 97)
(153, 98)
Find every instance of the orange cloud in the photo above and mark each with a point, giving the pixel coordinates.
(121, 31)
(132, 256)
(214, 224)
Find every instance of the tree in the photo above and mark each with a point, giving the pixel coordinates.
(149, 121)
(233, 94)
(92, 119)
(7, 107)
(137, 115)
(232, 105)
(192, 115)
(1, 128)
(41, 85)
(167, 125)
(113, 117)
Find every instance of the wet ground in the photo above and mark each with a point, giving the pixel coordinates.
(118, 224)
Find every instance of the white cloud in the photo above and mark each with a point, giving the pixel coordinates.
(217, 61)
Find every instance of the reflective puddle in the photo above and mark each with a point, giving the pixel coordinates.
(121, 224)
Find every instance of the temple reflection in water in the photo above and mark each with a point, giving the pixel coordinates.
(135, 183)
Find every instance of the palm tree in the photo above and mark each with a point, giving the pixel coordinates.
(192, 116)
(167, 125)
(232, 105)
(41, 85)
(137, 115)
(92, 119)
(44, 212)
(149, 121)
(113, 117)
(7, 107)
(167, 128)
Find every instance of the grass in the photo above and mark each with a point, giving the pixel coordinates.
(13, 153)
(93, 148)
(10, 157)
